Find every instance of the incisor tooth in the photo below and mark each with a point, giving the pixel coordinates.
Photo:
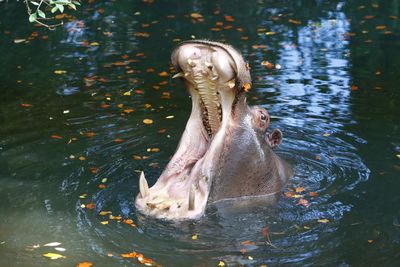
(191, 197)
(143, 185)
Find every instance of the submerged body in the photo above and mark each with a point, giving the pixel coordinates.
(225, 151)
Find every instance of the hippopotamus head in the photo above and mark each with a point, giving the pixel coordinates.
(226, 150)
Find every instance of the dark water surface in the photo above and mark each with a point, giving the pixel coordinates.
(67, 122)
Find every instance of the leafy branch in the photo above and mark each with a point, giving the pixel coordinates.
(40, 11)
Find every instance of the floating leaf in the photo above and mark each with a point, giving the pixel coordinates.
(82, 158)
(313, 194)
(54, 136)
(18, 41)
(52, 244)
(300, 189)
(129, 110)
(104, 222)
(60, 249)
(26, 105)
(84, 264)
(221, 264)
(102, 213)
(398, 156)
(248, 243)
(163, 74)
(195, 237)
(53, 256)
(90, 206)
(170, 117)
(129, 255)
(294, 21)
(60, 72)
(83, 195)
(303, 202)
(196, 16)
(128, 93)
(147, 121)
(323, 220)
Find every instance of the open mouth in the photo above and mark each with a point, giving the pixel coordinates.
(216, 77)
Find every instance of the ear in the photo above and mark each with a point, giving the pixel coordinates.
(274, 139)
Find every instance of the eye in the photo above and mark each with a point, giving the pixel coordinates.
(263, 117)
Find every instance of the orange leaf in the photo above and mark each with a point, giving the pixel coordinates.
(54, 136)
(118, 140)
(313, 194)
(303, 202)
(128, 110)
(380, 27)
(129, 255)
(90, 206)
(299, 189)
(248, 243)
(163, 74)
(102, 186)
(26, 105)
(84, 264)
(94, 170)
(295, 22)
(89, 134)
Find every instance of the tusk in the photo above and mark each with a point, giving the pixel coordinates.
(143, 185)
(191, 197)
(178, 75)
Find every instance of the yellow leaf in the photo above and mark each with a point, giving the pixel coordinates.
(127, 93)
(299, 189)
(194, 237)
(170, 117)
(60, 71)
(94, 44)
(102, 213)
(104, 222)
(147, 121)
(323, 220)
(163, 74)
(82, 158)
(53, 256)
(221, 264)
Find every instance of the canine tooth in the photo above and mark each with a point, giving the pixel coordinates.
(143, 185)
(178, 75)
(191, 62)
(191, 197)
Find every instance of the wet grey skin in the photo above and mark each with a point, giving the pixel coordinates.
(225, 152)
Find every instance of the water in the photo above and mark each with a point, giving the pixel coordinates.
(335, 97)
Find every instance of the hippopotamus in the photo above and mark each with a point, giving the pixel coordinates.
(226, 151)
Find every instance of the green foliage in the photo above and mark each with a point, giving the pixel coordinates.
(41, 11)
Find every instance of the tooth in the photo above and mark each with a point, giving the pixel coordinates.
(143, 185)
(231, 84)
(191, 197)
(191, 63)
(178, 75)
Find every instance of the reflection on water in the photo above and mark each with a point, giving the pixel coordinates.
(73, 139)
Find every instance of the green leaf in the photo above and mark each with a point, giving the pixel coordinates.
(72, 6)
(32, 17)
(34, 3)
(54, 9)
(76, 3)
(41, 14)
(60, 7)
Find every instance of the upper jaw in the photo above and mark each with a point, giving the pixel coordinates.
(217, 74)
